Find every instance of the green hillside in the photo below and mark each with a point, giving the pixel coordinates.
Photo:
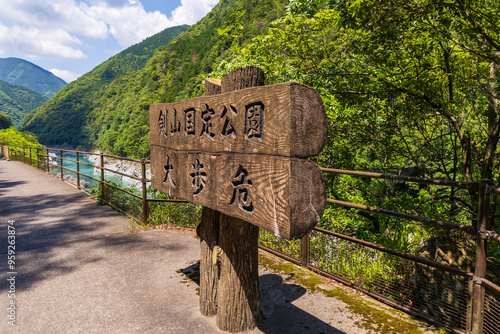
(63, 120)
(20, 72)
(5, 121)
(108, 108)
(17, 102)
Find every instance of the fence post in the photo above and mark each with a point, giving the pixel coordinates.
(145, 210)
(48, 160)
(305, 249)
(37, 158)
(29, 155)
(78, 170)
(61, 163)
(476, 316)
(101, 184)
(24, 155)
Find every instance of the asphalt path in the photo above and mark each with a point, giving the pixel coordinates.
(84, 268)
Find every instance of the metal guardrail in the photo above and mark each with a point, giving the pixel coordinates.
(480, 312)
(39, 157)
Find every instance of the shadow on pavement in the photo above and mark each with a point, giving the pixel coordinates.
(276, 305)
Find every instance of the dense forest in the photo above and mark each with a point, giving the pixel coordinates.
(17, 102)
(5, 121)
(411, 88)
(12, 137)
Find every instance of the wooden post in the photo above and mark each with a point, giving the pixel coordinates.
(305, 244)
(48, 160)
(229, 276)
(61, 163)
(78, 170)
(208, 231)
(101, 183)
(475, 324)
(238, 299)
(145, 213)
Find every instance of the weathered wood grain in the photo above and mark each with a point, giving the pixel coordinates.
(236, 253)
(208, 231)
(285, 196)
(286, 119)
(245, 77)
(238, 286)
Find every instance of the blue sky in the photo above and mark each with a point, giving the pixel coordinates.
(71, 37)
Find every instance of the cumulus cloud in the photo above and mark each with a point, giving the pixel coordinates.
(191, 11)
(65, 75)
(130, 23)
(56, 28)
(39, 43)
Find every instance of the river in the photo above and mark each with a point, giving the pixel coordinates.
(84, 169)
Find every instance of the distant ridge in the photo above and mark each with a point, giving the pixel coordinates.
(18, 101)
(23, 73)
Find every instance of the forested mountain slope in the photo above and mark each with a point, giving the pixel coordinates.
(21, 72)
(63, 120)
(17, 102)
(108, 107)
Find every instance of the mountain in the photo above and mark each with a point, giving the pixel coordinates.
(108, 108)
(17, 102)
(21, 72)
(63, 119)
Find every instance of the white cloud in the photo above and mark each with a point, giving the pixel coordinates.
(191, 11)
(65, 75)
(37, 43)
(69, 29)
(130, 24)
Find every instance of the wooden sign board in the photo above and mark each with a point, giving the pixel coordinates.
(286, 119)
(285, 196)
(239, 153)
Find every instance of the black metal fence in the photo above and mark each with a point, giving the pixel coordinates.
(465, 302)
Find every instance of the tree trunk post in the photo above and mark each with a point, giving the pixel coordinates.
(208, 231)
(229, 277)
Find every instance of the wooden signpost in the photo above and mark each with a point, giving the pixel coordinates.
(239, 152)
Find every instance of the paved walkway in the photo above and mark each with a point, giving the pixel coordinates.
(83, 268)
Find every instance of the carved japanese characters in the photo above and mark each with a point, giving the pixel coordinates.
(239, 153)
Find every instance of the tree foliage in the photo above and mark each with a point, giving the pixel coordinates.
(5, 121)
(13, 138)
(410, 87)
(18, 101)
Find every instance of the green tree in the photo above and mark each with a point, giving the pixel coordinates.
(13, 138)
(410, 87)
(407, 84)
(5, 121)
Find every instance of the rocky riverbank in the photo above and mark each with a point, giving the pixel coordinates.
(123, 166)
(71, 179)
